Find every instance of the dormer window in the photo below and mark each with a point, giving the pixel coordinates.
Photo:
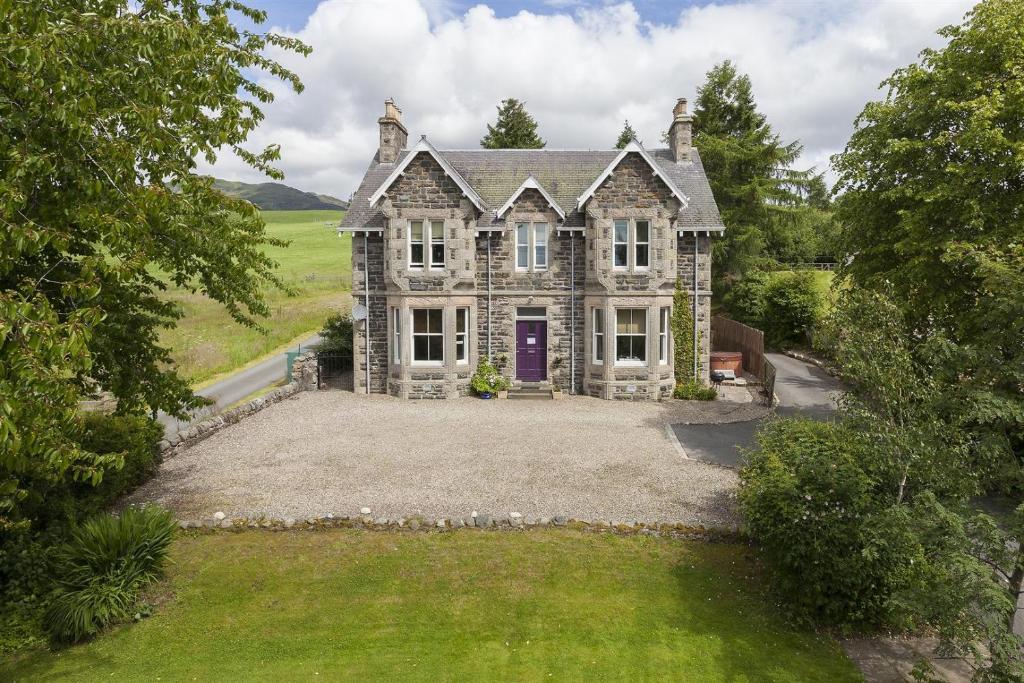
(421, 235)
(531, 247)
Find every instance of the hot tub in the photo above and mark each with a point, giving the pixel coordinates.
(727, 360)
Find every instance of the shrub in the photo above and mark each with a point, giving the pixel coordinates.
(692, 390)
(26, 580)
(837, 553)
(487, 378)
(127, 446)
(336, 336)
(783, 304)
(102, 568)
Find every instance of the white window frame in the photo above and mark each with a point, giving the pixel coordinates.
(427, 243)
(616, 242)
(413, 334)
(637, 243)
(631, 244)
(597, 340)
(664, 319)
(647, 355)
(396, 318)
(422, 244)
(433, 242)
(532, 244)
(462, 314)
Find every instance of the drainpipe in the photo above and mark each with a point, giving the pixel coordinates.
(489, 234)
(696, 255)
(366, 291)
(572, 314)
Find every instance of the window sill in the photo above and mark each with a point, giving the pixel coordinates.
(426, 364)
(630, 364)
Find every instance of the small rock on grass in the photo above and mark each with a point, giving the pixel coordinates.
(364, 511)
(218, 515)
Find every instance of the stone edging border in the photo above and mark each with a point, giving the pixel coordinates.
(812, 360)
(512, 521)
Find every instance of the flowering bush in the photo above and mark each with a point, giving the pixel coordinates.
(487, 378)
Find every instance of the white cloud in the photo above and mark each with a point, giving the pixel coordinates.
(813, 68)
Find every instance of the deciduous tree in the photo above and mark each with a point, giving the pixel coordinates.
(106, 106)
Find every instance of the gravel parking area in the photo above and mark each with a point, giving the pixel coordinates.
(335, 452)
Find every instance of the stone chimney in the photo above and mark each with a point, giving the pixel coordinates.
(393, 135)
(680, 131)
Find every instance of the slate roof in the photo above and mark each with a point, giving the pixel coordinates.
(496, 174)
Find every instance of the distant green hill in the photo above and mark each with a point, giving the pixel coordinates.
(278, 197)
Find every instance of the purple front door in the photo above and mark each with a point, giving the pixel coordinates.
(531, 350)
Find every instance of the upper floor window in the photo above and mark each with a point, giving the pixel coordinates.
(531, 246)
(598, 350)
(631, 237)
(424, 234)
(631, 336)
(427, 336)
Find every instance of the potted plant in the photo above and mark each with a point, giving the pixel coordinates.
(486, 381)
(501, 385)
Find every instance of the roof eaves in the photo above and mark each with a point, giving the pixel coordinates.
(531, 183)
(424, 146)
(633, 146)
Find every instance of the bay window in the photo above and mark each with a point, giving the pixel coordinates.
(428, 336)
(630, 336)
(598, 342)
(397, 322)
(663, 335)
(462, 335)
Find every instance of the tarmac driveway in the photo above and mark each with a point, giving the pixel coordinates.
(802, 389)
(335, 452)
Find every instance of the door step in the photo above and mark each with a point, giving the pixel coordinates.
(530, 393)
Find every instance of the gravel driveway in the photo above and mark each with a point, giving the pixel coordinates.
(336, 452)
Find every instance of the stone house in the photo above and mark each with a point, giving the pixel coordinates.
(560, 265)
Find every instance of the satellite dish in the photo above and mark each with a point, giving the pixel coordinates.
(359, 312)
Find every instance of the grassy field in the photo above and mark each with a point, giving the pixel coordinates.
(318, 264)
(468, 605)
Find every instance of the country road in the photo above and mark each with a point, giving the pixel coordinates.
(237, 386)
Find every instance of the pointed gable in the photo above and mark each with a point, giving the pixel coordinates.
(640, 166)
(419, 161)
(531, 186)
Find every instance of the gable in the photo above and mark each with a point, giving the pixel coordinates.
(530, 201)
(423, 184)
(633, 183)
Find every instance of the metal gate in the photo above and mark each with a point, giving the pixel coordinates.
(333, 371)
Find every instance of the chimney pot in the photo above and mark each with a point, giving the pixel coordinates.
(393, 135)
(680, 132)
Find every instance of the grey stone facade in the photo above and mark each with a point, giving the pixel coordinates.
(480, 277)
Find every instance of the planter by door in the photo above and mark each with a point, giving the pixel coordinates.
(531, 350)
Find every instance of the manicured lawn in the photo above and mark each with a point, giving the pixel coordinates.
(466, 605)
(318, 264)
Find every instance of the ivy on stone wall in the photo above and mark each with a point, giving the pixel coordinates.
(682, 334)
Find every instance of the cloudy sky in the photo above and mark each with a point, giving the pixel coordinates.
(581, 66)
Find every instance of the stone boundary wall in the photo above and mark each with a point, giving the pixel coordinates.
(512, 521)
(304, 374)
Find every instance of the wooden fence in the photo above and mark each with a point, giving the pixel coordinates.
(729, 335)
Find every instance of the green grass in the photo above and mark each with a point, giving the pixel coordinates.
(318, 264)
(355, 605)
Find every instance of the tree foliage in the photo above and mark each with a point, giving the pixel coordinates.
(785, 305)
(514, 129)
(105, 109)
(748, 166)
(627, 135)
(933, 211)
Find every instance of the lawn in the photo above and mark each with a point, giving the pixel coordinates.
(466, 605)
(317, 264)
